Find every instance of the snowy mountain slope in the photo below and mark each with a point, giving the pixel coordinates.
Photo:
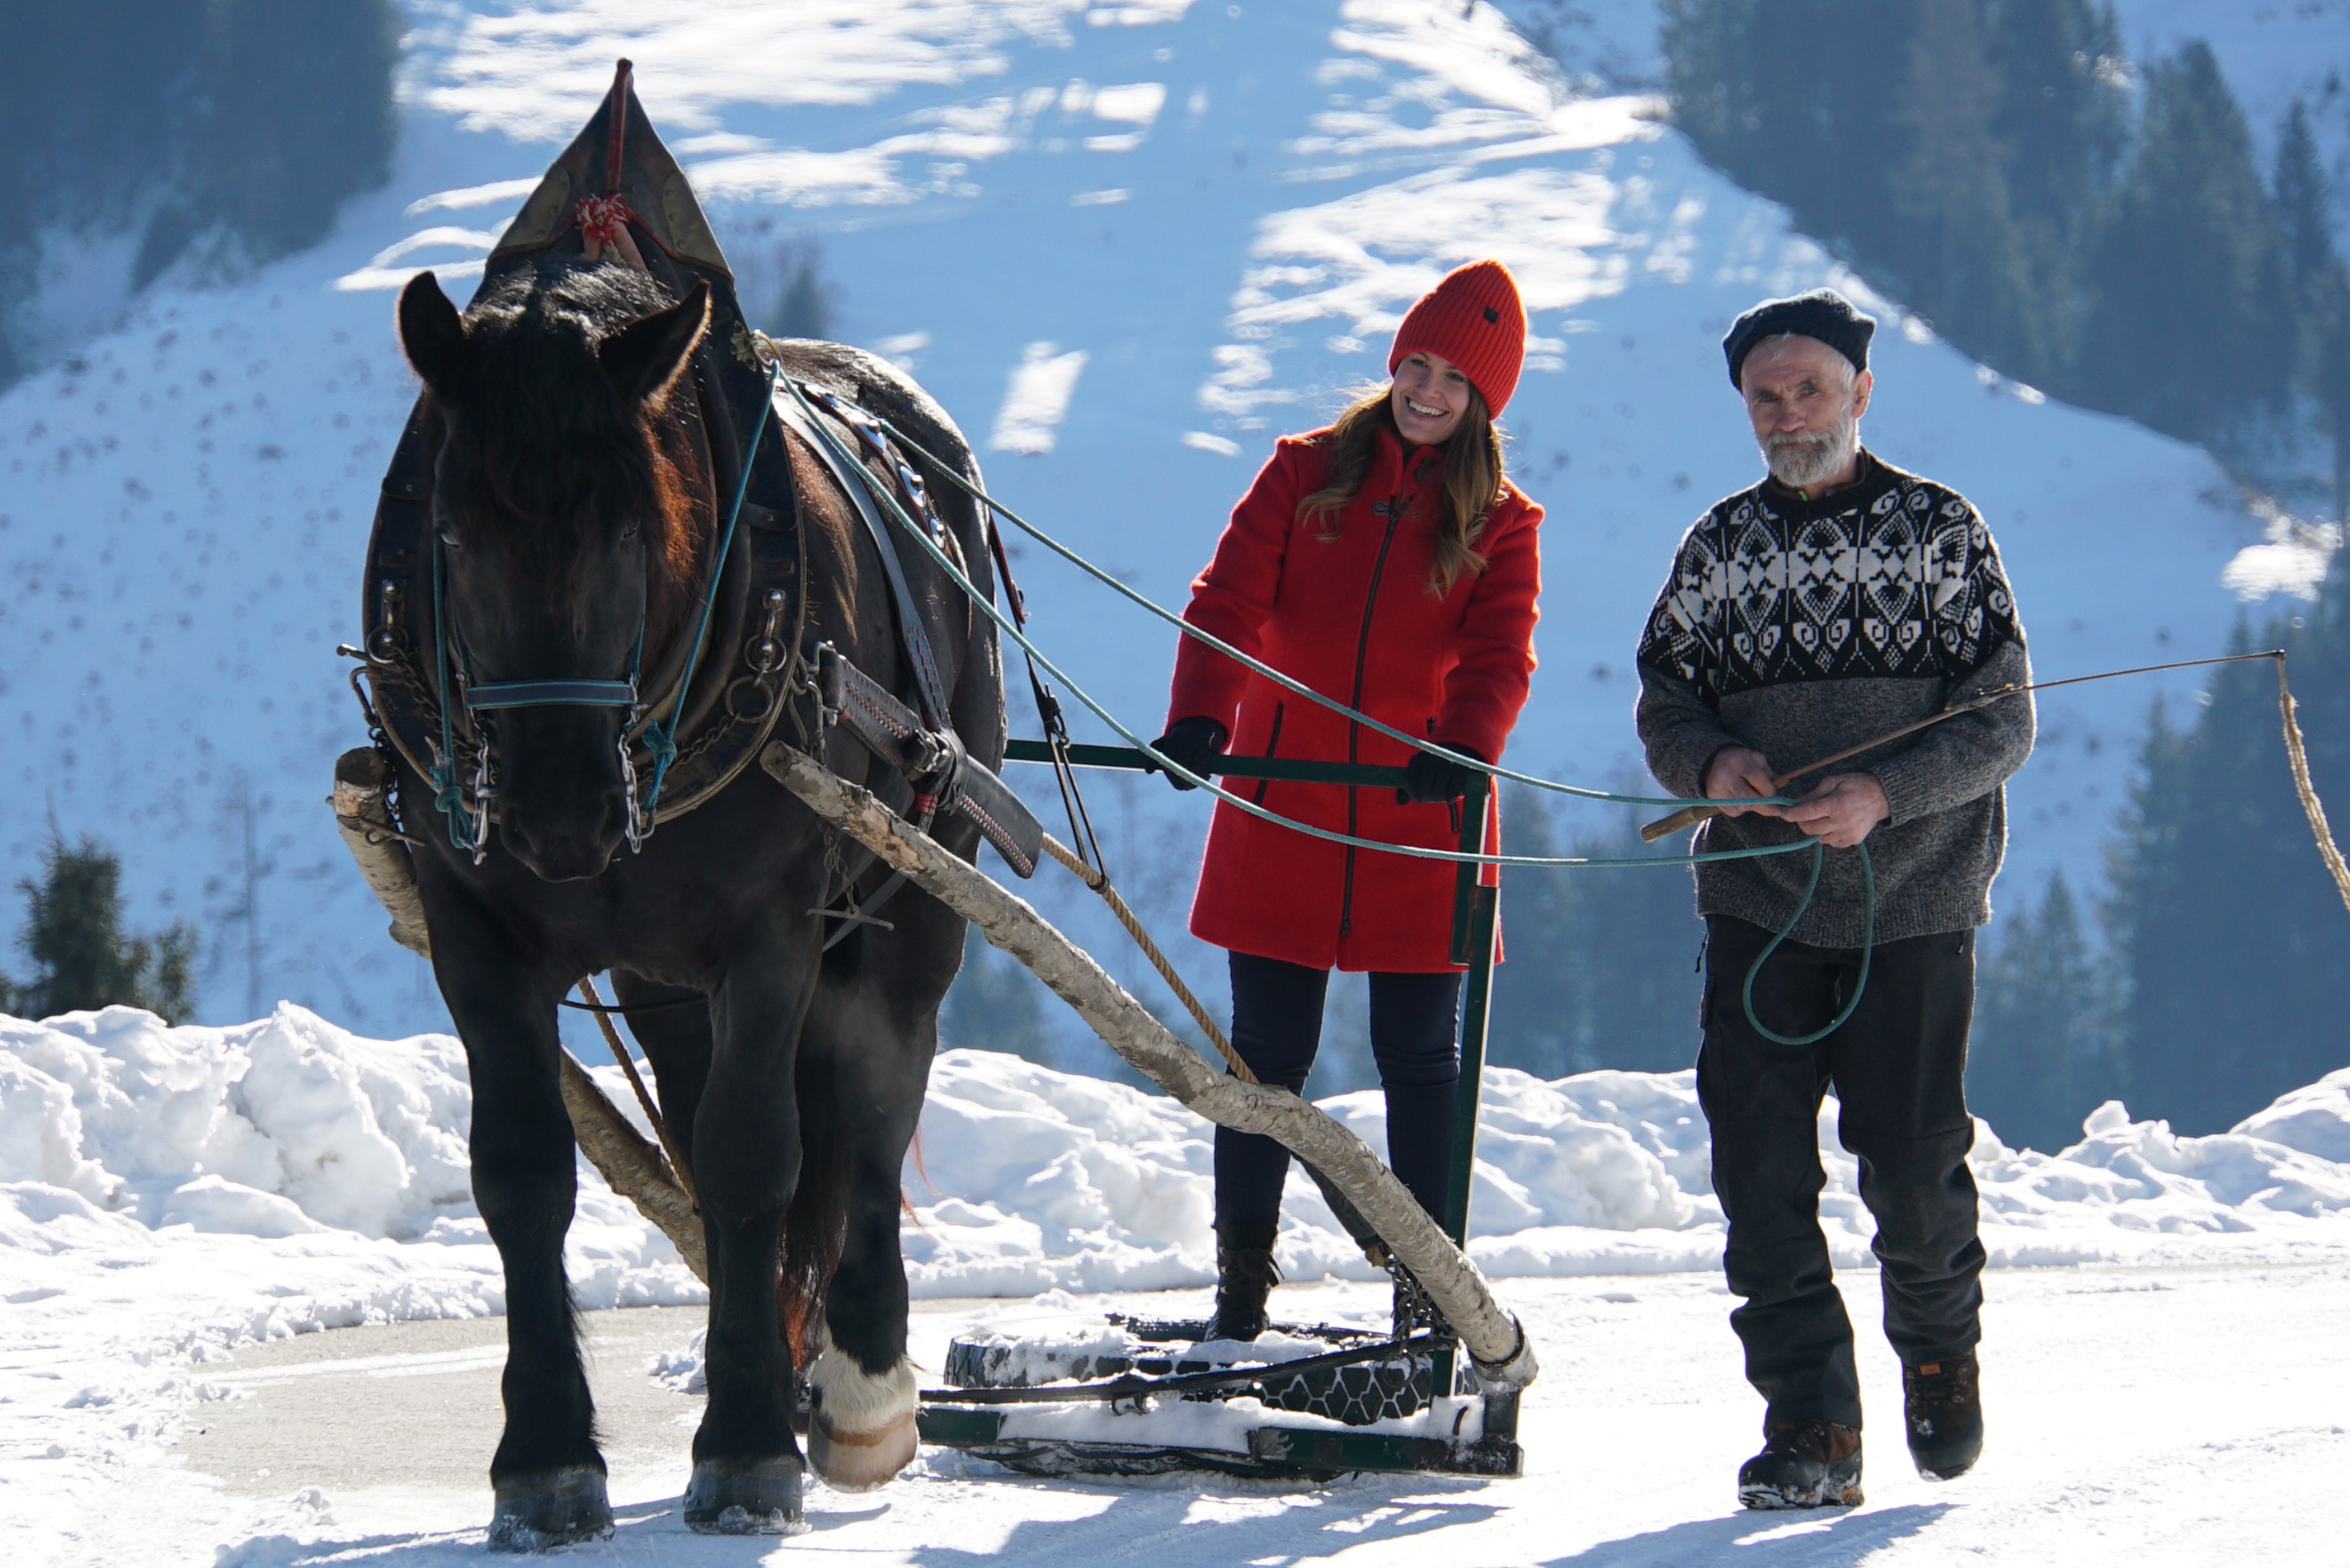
(1126, 245)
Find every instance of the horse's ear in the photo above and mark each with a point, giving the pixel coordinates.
(644, 356)
(432, 334)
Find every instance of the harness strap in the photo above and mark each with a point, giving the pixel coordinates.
(544, 693)
(856, 481)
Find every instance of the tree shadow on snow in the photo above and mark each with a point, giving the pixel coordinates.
(1790, 1539)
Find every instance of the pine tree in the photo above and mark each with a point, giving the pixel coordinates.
(801, 303)
(2305, 207)
(2062, 124)
(1598, 971)
(1531, 1023)
(1962, 250)
(73, 931)
(2328, 374)
(1800, 100)
(2184, 333)
(2044, 1053)
(2235, 944)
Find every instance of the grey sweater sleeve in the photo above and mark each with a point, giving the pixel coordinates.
(1680, 729)
(1966, 757)
(1679, 659)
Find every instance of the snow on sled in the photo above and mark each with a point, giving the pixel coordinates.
(1123, 1395)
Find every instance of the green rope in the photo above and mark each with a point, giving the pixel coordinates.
(1419, 742)
(986, 602)
(1867, 951)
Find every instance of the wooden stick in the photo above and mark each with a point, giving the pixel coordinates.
(1690, 815)
(630, 1164)
(620, 1053)
(1504, 1355)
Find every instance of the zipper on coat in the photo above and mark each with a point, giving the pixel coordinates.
(1393, 508)
(1272, 748)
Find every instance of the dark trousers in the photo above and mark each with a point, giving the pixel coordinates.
(1897, 1067)
(1277, 1029)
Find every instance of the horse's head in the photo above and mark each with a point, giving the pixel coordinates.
(566, 530)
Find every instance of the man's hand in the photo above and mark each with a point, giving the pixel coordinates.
(1842, 810)
(1739, 772)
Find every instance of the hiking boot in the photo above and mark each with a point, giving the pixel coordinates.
(1941, 1403)
(1811, 1463)
(1244, 1277)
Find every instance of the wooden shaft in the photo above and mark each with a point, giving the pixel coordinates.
(1504, 1355)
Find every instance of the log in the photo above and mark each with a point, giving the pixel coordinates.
(631, 1166)
(1504, 1356)
(363, 817)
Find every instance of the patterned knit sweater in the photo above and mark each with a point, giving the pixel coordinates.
(1800, 628)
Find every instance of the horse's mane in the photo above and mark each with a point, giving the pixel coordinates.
(558, 446)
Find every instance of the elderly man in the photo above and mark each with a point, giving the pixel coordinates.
(1836, 600)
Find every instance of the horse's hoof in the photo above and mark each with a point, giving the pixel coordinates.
(859, 1461)
(730, 1497)
(550, 1508)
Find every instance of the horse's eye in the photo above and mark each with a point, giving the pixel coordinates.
(449, 538)
(629, 530)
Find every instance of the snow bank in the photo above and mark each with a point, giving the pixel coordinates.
(280, 1176)
(287, 1174)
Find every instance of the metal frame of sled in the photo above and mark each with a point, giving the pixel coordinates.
(1368, 1376)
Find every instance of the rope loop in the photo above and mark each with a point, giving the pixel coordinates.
(1802, 906)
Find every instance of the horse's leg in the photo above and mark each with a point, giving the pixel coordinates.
(878, 1030)
(747, 1162)
(548, 1475)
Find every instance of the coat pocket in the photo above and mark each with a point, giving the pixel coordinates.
(1272, 748)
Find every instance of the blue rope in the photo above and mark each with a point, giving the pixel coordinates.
(1419, 742)
(448, 793)
(661, 739)
(986, 603)
(1867, 951)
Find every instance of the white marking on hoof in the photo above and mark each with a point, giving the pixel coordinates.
(861, 1427)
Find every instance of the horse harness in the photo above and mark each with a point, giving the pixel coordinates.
(716, 714)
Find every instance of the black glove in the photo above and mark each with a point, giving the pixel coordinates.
(1195, 743)
(1429, 779)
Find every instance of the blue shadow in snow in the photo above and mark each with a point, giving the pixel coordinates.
(1815, 1540)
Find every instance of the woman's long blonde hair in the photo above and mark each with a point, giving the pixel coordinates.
(1473, 477)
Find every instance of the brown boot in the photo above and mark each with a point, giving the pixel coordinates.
(1244, 1277)
(1810, 1463)
(1942, 1404)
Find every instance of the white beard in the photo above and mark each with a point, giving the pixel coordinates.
(1801, 460)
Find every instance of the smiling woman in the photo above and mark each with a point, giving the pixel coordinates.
(1389, 561)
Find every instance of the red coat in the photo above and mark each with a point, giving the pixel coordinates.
(1353, 618)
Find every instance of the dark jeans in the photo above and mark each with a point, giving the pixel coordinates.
(1277, 1029)
(1897, 1067)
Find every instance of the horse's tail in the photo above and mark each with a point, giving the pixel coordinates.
(816, 1229)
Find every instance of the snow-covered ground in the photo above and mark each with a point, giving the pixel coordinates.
(1126, 245)
(168, 1195)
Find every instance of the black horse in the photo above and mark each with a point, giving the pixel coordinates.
(569, 423)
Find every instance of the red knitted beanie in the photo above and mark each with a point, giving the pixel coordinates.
(1473, 318)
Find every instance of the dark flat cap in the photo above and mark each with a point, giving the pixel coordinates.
(1822, 314)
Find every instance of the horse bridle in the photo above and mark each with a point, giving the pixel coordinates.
(469, 823)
